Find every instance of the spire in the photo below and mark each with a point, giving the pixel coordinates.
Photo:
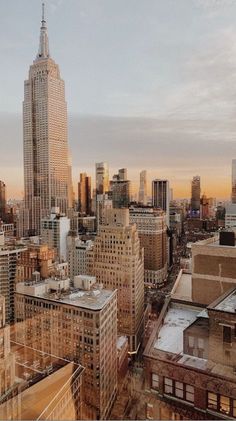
(43, 40)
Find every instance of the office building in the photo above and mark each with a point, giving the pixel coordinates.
(2, 200)
(143, 188)
(233, 197)
(79, 323)
(120, 189)
(195, 196)
(102, 178)
(35, 385)
(54, 231)
(118, 264)
(78, 255)
(9, 255)
(46, 160)
(103, 203)
(207, 207)
(230, 215)
(84, 194)
(151, 226)
(161, 196)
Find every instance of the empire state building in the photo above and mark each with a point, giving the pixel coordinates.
(47, 173)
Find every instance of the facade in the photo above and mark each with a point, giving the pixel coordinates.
(161, 196)
(195, 195)
(76, 323)
(9, 255)
(207, 207)
(35, 258)
(213, 269)
(143, 188)
(233, 180)
(102, 178)
(118, 264)
(120, 188)
(151, 226)
(46, 161)
(190, 360)
(84, 194)
(54, 231)
(103, 203)
(78, 255)
(22, 222)
(230, 215)
(2, 200)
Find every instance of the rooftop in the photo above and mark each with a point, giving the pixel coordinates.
(94, 299)
(228, 304)
(170, 336)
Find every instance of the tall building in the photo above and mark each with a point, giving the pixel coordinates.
(78, 255)
(80, 324)
(46, 161)
(102, 177)
(9, 255)
(161, 196)
(230, 215)
(195, 195)
(143, 188)
(103, 203)
(120, 188)
(151, 226)
(2, 200)
(118, 264)
(233, 180)
(54, 231)
(84, 194)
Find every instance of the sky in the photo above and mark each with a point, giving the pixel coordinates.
(150, 84)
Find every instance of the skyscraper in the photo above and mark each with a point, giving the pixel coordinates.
(102, 177)
(143, 187)
(120, 188)
(161, 196)
(195, 196)
(2, 200)
(46, 163)
(84, 194)
(233, 180)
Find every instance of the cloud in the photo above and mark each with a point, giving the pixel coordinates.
(209, 87)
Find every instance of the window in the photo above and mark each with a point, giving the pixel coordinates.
(189, 393)
(179, 390)
(168, 386)
(222, 404)
(227, 334)
(155, 381)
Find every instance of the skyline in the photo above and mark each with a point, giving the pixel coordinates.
(171, 125)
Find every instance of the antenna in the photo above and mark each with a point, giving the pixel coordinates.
(43, 12)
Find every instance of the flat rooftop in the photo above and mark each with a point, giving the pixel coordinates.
(228, 304)
(170, 336)
(94, 299)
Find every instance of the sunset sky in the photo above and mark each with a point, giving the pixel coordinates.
(150, 84)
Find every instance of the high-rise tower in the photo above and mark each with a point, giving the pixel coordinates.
(46, 164)
(195, 195)
(233, 180)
